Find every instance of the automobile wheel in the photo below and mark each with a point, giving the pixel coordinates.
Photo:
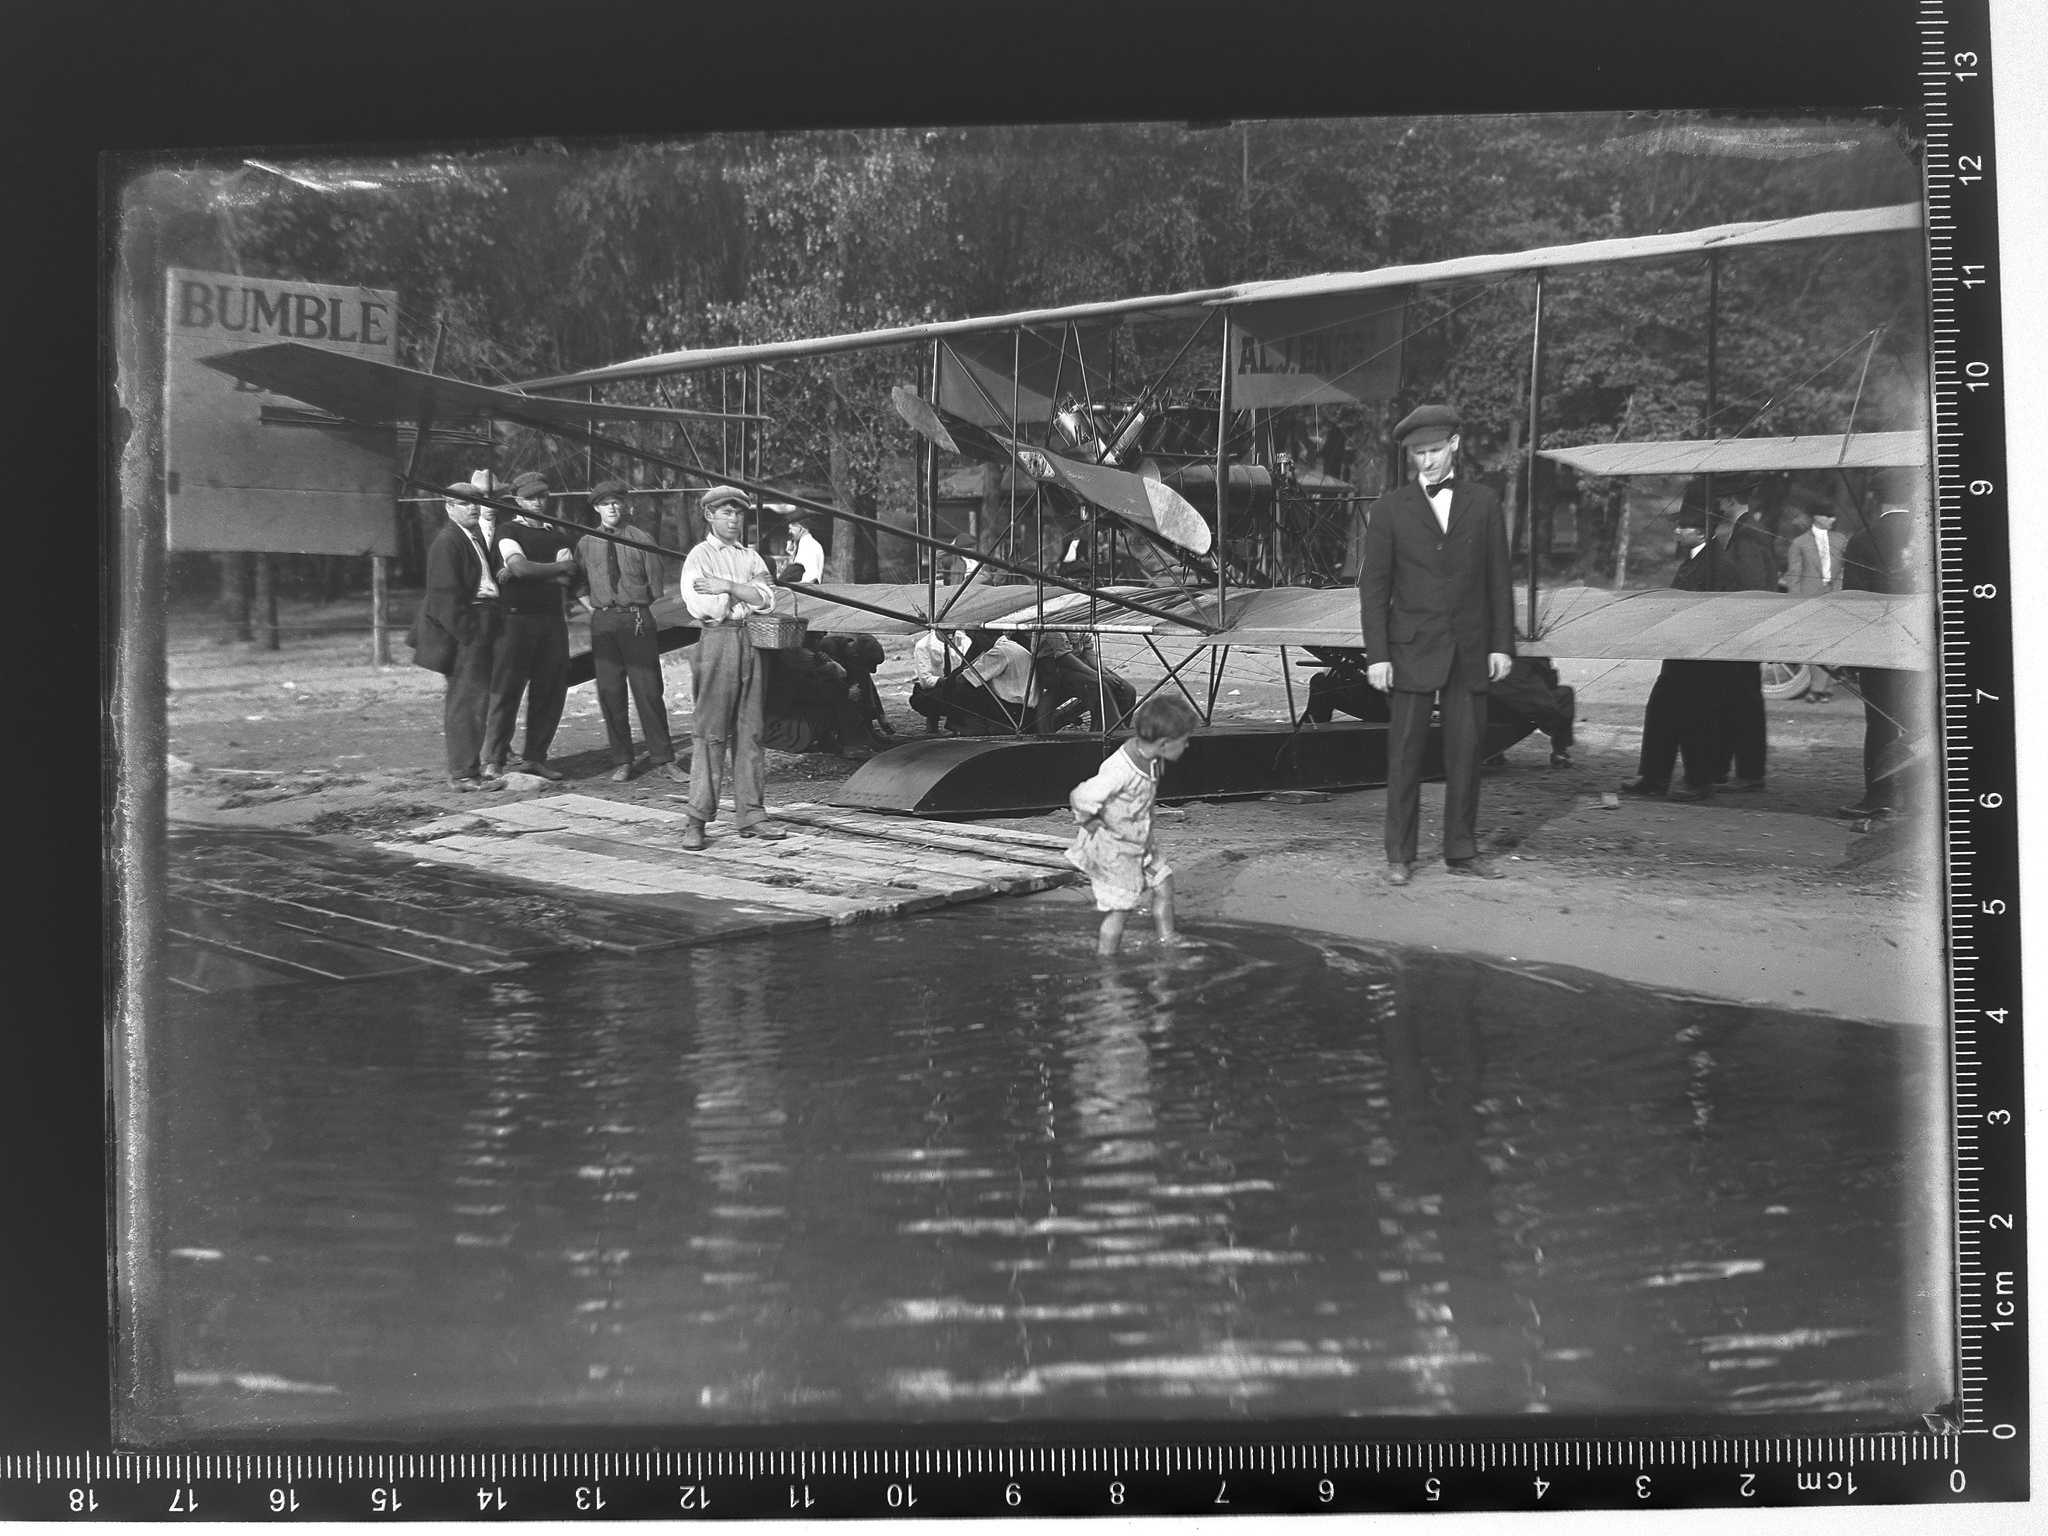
(1786, 679)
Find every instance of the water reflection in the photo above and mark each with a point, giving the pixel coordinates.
(957, 1165)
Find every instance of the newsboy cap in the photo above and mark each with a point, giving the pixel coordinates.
(607, 490)
(720, 495)
(530, 484)
(1425, 426)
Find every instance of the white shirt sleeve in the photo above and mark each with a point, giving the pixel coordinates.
(711, 607)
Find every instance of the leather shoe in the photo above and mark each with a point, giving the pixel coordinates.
(676, 771)
(1560, 759)
(1689, 792)
(492, 771)
(543, 771)
(767, 831)
(1860, 810)
(466, 783)
(693, 835)
(1482, 869)
(1747, 786)
(1399, 874)
(1643, 789)
(622, 773)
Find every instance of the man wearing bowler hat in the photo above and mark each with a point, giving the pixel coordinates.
(625, 582)
(456, 632)
(1437, 610)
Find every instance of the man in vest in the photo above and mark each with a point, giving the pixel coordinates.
(532, 658)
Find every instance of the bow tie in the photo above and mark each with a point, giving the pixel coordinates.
(1441, 485)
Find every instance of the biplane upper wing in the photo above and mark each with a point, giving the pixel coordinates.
(1628, 250)
(360, 389)
(1749, 455)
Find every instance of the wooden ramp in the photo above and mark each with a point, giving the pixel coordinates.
(495, 889)
(834, 867)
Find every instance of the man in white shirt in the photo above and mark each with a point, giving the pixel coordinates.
(973, 688)
(723, 582)
(801, 549)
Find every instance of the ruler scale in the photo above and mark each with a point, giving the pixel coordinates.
(1975, 1451)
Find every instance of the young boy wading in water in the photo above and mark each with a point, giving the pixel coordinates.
(1114, 845)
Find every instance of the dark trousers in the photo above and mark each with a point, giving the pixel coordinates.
(627, 655)
(1526, 693)
(968, 707)
(1099, 692)
(466, 706)
(727, 684)
(1897, 706)
(532, 660)
(1464, 722)
(1683, 715)
(1739, 690)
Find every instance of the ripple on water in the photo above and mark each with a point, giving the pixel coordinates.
(832, 1177)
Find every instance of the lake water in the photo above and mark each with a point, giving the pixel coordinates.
(956, 1168)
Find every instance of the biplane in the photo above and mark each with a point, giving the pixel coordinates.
(1183, 516)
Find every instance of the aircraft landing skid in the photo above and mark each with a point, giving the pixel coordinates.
(1017, 775)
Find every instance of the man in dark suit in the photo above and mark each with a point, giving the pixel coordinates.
(1898, 707)
(1437, 610)
(1744, 560)
(457, 631)
(1684, 711)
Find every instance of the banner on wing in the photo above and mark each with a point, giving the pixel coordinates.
(1334, 350)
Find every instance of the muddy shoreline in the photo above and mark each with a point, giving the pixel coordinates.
(1767, 898)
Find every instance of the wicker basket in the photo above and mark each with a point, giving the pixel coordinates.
(776, 631)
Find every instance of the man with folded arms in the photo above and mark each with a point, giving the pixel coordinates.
(532, 658)
(724, 582)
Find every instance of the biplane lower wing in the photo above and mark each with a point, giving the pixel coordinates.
(362, 390)
(1841, 629)
(1749, 455)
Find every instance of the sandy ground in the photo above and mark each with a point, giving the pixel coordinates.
(1759, 897)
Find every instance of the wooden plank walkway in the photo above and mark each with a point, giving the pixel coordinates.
(834, 866)
(489, 891)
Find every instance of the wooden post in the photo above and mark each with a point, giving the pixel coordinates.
(266, 605)
(380, 610)
(1222, 470)
(1713, 390)
(1535, 440)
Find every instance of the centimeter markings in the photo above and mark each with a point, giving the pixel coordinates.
(1960, 207)
(1062, 1461)
(1940, 215)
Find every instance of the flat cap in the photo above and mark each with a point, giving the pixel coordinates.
(608, 490)
(720, 495)
(532, 483)
(462, 490)
(1426, 425)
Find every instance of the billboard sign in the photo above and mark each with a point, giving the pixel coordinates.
(247, 469)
